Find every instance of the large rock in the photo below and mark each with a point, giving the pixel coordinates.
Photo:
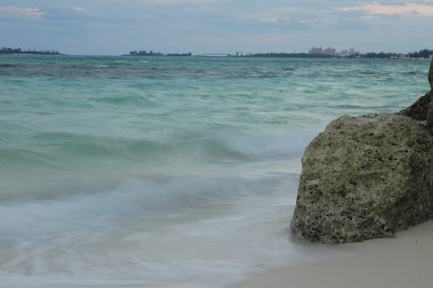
(423, 108)
(365, 177)
(368, 176)
(419, 109)
(430, 75)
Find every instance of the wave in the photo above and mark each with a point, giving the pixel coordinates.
(132, 101)
(60, 149)
(64, 160)
(129, 230)
(7, 65)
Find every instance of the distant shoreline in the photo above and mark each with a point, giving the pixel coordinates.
(287, 55)
(32, 53)
(152, 53)
(422, 54)
(8, 50)
(258, 55)
(296, 56)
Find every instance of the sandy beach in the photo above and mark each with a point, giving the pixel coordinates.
(404, 261)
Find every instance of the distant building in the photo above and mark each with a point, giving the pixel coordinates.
(314, 50)
(331, 51)
(352, 51)
(320, 50)
(349, 52)
(343, 53)
(404, 56)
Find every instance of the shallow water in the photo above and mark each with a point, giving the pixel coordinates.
(164, 171)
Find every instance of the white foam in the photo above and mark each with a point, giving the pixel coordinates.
(155, 231)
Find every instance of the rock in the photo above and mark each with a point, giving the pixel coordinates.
(368, 176)
(423, 108)
(419, 109)
(365, 177)
(430, 75)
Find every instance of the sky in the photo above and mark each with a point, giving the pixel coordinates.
(115, 27)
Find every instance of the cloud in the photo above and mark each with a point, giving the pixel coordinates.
(376, 9)
(350, 25)
(387, 16)
(64, 14)
(294, 24)
(27, 12)
(116, 26)
(284, 23)
(204, 15)
(173, 1)
(349, 13)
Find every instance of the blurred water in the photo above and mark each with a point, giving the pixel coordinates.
(164, 171)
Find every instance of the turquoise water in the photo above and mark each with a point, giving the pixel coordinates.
(167, 172)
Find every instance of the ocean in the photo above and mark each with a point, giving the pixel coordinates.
(168, 171)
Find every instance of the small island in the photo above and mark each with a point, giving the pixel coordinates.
(152, 53)
(6, 50)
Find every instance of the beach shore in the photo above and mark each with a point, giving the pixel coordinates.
(404, 261)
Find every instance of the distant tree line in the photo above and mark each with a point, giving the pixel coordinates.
(425, 53)
(6, 50)
(152, 53)
(353, 56)
(381, 55)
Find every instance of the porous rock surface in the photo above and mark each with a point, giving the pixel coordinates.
(368, 176)
(430, 75)
(423, 108)
(365, 177)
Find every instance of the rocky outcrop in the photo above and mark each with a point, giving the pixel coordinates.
(367, 177)
(430, 75)
(423, 108)
(419, 109)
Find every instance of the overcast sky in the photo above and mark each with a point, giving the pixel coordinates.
(114, 27)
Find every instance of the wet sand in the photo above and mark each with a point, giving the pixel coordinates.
(404, 261)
